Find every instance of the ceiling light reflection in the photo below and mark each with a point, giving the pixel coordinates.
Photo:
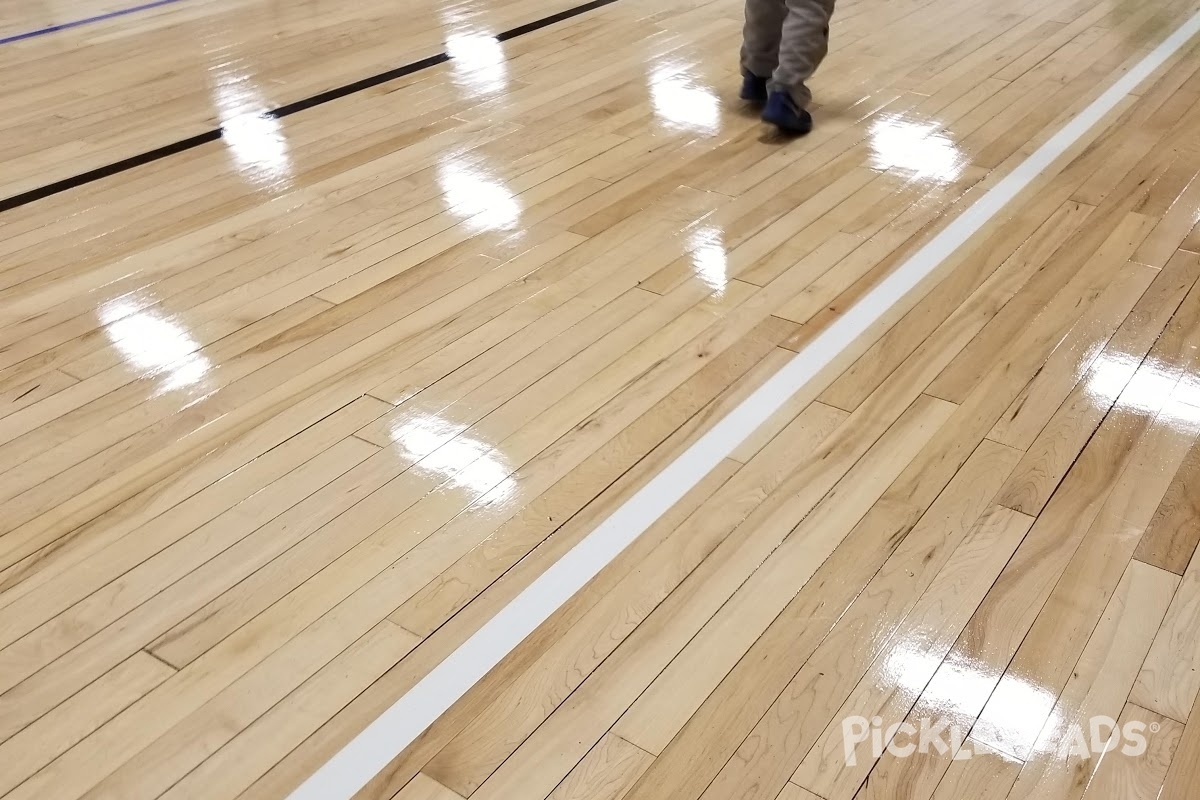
(152, 344)
(683, 104)
(443, 447)
(254, 137)
(960, 688)
(1136, 385)
(919, 150)
(707, 245)
(258, 146)
(470, 193)
(1109, 375)
(477, 62)
(909, 668)
(1017, 713)
(1188, 391)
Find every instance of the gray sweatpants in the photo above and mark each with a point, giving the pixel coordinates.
(785, 41)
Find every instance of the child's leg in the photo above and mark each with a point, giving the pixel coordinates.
(761, 36)
(804, 44)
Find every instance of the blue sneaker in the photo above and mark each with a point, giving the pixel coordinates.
(783, 113)
(754, 88)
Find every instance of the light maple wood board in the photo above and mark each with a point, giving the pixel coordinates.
(287, 414)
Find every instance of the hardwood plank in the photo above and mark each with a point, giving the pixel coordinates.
(607, 772)
(794, 792)
(1184, 772)
(1113, 250)
(1169, 681)
(988, 775)
(1115, 374)
(728, 506)
(774, 749)
(43, 741)
(453, 765)
(229, 769)
(1170, 540)
(1192, 242)
(1014, 604)
(860, 380)
(1049, 650)
(675, 695)
(54, 579)
(461, 583)
(906, 664)
(33, 391)
(598, 609)
(423, 787)
(1099, 684)
(1074, 356)
(789, 565)
(29, 687)
(1178, 218)
(1141, 775)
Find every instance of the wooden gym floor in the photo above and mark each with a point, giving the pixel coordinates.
(305, 375)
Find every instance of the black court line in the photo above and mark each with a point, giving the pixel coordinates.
(521, 30)
(159, 153)
(358, 86)
(111, 169)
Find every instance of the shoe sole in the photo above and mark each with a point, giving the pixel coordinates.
(786, 126)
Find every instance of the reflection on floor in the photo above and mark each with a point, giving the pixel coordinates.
(288, 415)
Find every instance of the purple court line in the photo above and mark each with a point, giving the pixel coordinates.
(75, 24)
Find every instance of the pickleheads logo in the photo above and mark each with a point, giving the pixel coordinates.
(903, 739)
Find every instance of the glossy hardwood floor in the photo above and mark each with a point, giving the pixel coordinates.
(139, 82)
(285, 417)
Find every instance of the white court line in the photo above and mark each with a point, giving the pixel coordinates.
(385, 738)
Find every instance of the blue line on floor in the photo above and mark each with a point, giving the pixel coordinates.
(75, 24)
